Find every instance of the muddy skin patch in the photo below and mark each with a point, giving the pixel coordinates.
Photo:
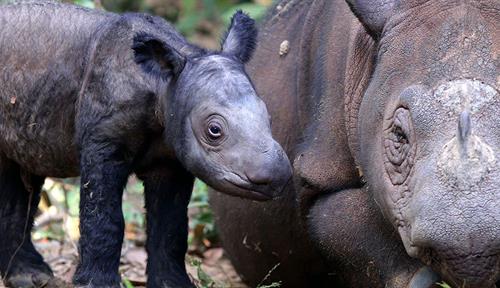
(461, 94)
(466, 158)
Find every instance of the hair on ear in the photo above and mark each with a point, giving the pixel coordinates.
(156, 57)
(240, 39)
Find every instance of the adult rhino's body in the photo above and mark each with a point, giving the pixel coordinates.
(405, 99)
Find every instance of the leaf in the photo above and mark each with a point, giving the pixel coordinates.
(443, 284)
(127, 283)
(206, 281)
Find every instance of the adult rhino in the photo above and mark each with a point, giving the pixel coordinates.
(398, 106)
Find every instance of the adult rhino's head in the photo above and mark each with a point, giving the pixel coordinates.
(428, 128)
(219, 126)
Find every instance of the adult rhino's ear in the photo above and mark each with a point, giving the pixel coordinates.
(372, 13)
(240, 39)
(157, 57)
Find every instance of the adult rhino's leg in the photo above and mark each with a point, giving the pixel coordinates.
(20, 264)
(266, 241)
(167, 192)
(349, 228)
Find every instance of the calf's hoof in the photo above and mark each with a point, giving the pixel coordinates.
(25, 279)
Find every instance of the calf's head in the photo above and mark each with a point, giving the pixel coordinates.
(218, 126)
(429, 131)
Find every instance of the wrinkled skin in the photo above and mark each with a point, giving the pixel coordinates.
(394, 168)
(430, 152)
(102, 96)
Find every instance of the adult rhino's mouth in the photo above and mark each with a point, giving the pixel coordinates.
(473, 270)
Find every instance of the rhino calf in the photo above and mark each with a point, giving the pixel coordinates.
(101, 95)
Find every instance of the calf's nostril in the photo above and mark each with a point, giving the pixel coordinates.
(259, 176)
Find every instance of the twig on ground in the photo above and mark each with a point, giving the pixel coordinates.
(268, 274)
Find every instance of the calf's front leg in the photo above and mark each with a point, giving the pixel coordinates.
(104, 173)
(167, 191)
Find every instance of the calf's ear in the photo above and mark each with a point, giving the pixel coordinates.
(157, 57)
(240, 39)
(373, 13)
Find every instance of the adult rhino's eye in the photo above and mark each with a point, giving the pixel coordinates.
(400, 136)
(399, 148)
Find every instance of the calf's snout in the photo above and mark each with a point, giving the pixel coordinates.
(270, 170)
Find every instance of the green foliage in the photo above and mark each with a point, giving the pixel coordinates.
(219, 12)
(443, 284)
(201, 21)
(132, 203)
(255, 11)
(64, 198)
(201, 222)
(205, 281)
(85, 3)
(127, 283)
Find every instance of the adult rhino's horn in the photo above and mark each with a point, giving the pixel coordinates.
(464, 127)
(372, 13)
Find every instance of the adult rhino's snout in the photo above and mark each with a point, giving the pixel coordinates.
(448, 198)
(269, 171)
(469, 258)
(454, 223)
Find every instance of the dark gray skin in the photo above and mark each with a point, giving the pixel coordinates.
(437, 134)
(102, 96)
(376, 192)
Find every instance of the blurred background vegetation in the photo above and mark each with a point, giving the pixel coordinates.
(202, 22)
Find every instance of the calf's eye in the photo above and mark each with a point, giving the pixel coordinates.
(214, 131)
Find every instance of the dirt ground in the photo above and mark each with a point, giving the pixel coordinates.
(56, 232)
(214, 269)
